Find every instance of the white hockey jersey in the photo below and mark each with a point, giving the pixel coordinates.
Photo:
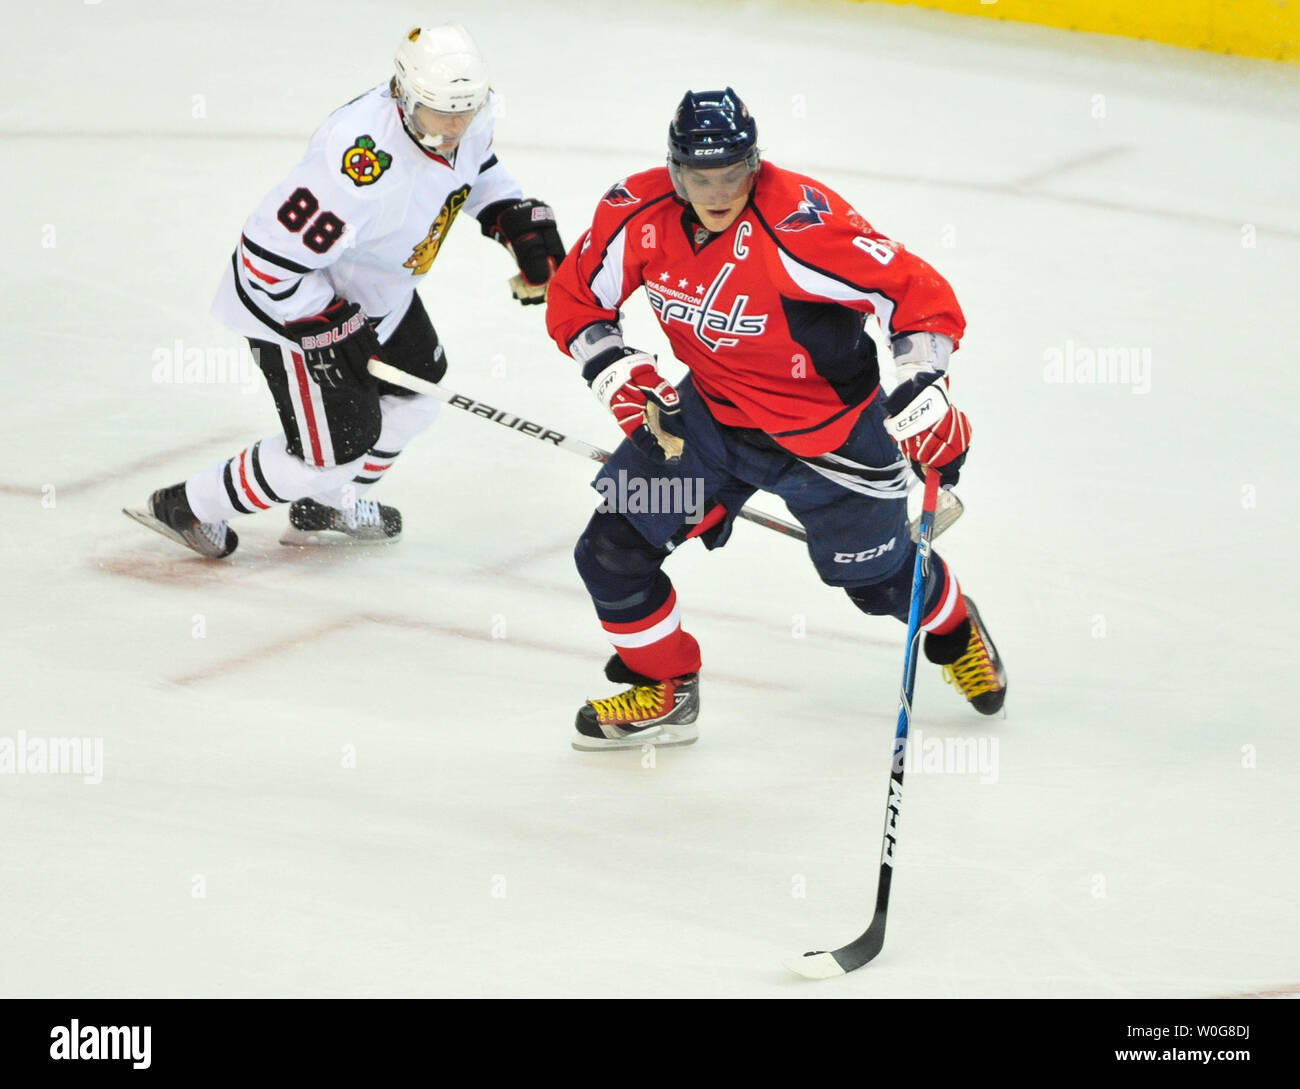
(361, 217)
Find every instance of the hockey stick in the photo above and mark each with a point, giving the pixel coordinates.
(820, 965)
(951, 506)
(388, 373)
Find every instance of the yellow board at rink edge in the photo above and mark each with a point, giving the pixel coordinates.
(1250, 28)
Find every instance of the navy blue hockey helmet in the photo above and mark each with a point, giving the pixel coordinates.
(712, 128)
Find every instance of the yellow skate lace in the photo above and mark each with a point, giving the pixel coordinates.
(973, 672)
(638, 703)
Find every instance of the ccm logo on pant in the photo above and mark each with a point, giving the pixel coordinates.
(865, 554)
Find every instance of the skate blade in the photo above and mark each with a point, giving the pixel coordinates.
(662, 738)
(146, 518)
(330, 538)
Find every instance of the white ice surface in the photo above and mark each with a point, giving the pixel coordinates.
(1130, 551)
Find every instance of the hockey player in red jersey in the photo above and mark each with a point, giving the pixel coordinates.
(324, 279)
(763, 281)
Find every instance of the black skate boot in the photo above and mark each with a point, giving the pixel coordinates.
(970, 662)
(168, 512)
(649, 713)
(366, 523)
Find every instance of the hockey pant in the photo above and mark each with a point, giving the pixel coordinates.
(337, 442)
(852, 506)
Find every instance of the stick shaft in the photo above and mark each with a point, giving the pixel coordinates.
(893, 807)
(388, 373)
(824, 965)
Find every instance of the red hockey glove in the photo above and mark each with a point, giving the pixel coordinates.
(337, 344)
(924, 423)
(644, 403)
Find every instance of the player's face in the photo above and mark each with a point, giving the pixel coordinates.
(450, 126)
(719, 195)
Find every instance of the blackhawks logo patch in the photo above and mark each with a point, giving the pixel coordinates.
(363, 163)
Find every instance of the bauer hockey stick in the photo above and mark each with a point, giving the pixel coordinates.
(820, 965)
(388, 373)
(950, 506)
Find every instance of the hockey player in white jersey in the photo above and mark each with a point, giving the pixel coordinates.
(324, 278)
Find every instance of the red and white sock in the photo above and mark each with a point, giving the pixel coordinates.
(656, 646)
(950, 610)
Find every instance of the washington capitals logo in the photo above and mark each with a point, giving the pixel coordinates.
(811, 212)
(620, 195)
(697, 311)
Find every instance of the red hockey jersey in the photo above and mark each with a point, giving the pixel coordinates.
(768, 314)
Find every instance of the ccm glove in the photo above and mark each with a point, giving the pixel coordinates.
(643, 401)
(527, 229)
(336, 345)
(924, 423)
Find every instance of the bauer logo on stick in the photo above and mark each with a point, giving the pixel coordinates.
(363, 163)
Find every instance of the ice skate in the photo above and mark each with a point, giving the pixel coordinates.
(168, 512)
(649, 713)
(368, 522)
(970, 662)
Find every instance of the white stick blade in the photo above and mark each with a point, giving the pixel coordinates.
(815, 966)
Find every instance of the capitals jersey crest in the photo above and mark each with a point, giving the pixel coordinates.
(698, 312)
(812, 211)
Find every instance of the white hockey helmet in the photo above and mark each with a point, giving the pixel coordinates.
(440, 68)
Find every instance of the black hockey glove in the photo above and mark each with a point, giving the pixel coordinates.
(337, 344)
(527, 229)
